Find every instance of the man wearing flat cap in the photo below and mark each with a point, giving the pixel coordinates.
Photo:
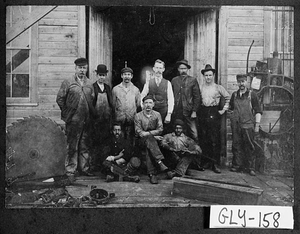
(74, 99)
(187, 98)
(148, 129)
(210, 112)
(245, 119)
(103, 107)
(126, 101)
(180, 148)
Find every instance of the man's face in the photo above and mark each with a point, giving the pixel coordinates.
(178, 130)
(242, 83)
(182, 69)
(209, 77)
(148, 104)
(126, 76)
(101, 77)
(158, 69)
(117, 131)
(81, 71)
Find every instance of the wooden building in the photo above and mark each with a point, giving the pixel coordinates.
(43, 42)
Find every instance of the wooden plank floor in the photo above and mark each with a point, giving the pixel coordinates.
(277, 190)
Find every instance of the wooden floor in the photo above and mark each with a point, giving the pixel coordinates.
(276, 190)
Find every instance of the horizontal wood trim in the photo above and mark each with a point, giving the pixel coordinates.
(57, 68)
(47, 98)
(58, 45)
(58, 37)
(67, 8)
(238, 63)
(243, 57)
(62, 15)
(244, 49)
(48, 91)
(57, 52)
(246, 20)
(245, 35)
(58, 22)
(56, 75)
(246, 41)
(25, 113)
(245, 28)
(55, 84)
(57, 29)
(235, 71)
(246, 12)
(57, 60)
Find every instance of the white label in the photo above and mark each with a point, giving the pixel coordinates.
(235, 216)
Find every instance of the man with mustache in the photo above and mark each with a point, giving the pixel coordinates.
(74, 98)
(245, 119)
(161, 90)
(126, 101)
(148, 130)
(187, 98)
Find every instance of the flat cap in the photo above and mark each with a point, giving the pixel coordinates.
(148, 97)
(126, 69)
(241, 76)
(81, 62)
(178, 122)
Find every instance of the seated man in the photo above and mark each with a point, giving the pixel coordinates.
(148, 128)
(118, 161)
(181, 148)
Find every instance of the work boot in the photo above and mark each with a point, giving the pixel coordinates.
(172, 174)
(135, 178)
(162, 166)
(110, 178)
(216, 169)
(153, 179)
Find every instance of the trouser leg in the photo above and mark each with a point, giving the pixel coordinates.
(153, 148)
(83, 160)
(183, 164)
(191, 127)
(249, 157)
(237, 160)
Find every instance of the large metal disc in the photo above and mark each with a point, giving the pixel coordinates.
(39, 145)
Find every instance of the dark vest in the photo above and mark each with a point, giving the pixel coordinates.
(159, 92)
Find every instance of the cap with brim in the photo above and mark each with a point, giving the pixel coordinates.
(241, 76)
(148, 97)
(126, 69)
(178, 122)
(81, 62)
(185, 62)
(208, 67)
(101, 69)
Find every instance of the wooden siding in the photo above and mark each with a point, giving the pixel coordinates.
(61, 39)
(200, 42)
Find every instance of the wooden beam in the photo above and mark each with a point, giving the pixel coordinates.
(22, 26)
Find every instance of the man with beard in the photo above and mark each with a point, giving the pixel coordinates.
(245, 119)
(161, 90)
(126, 101)
(180, 149)
(187, 98)
(118, 161)
(148, 129)
(75, 98)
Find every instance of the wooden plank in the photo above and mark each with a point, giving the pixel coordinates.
(267, 33)
(55, 84)
(25, 113)
(57, 37)
(81, 42)
(58, 29)
(47, 98)
(246, 12)
(58, 22)
(243, 57)
(54, 75)
(244, 49)
(245, 20)
(66, 8)
(245, 42)
(20, 27)
(245, 28)
(57, 45)
(217, 192)
(245, 34)
(61, 15)
(239, 63)
(57, 68)
(56, 60)
(223, 46)
(48, 91)
(57, 52)
(235, 71)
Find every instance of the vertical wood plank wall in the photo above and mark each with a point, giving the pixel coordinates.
(100, 43)
(200, 42)
(238, 26)
(58, 47)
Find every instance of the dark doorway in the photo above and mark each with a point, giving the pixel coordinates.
(143, 34)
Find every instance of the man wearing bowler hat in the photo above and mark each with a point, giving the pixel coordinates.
(74, 98)
(187, 98)
(103, 107)
(245, 119)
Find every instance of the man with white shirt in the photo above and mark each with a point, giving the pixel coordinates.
(161, 90)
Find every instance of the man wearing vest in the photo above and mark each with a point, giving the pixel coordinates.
(161, 90)
(245, 120)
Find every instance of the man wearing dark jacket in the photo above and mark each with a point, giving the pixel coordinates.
(75, 98)
(187, 98)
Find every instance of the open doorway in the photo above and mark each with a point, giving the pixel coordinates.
(140, 35)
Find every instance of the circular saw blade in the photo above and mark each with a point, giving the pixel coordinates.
(39, 146)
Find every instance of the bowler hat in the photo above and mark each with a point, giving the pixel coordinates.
(148, 97)
(241, 76)
(101, 69)
(81, 62)
(184, 61)
(126, 69)
(208, 68)
(178, 122)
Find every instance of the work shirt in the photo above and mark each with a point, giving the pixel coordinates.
(125, 102)
(154, 87)
(211, 95)
(171, 141)
(148, 123)
(73, 97)
(113, 146)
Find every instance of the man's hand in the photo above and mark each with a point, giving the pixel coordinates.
(120, 161)
(193, 115)
(159, 138)
(221, 112)
(110, 158)
(168, 118)
(143, 134)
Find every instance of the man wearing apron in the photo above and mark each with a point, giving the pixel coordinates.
(245, 120)
(103, 107)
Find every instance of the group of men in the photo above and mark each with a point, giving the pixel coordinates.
(166, 127)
